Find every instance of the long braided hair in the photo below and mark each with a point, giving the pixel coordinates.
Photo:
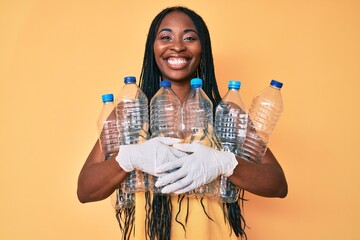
(159, 209)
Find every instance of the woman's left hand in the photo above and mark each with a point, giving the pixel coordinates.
(201, 166)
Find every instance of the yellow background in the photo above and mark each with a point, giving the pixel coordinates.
(58, 57)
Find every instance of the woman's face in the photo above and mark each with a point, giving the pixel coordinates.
(177, 47)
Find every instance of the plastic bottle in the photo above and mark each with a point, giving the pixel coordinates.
(109, 138)
(198, 121)
(133, 123)
(108, 132)
(165, 112)
(165, 116)
(230, 127)
(264, 113)
(132, 113)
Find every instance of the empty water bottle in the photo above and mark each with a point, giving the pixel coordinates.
(198, 121)
(230, 128)
(264, 113)
(108, 138)
(108, 132)
(165, 116)
(165, 112)
(133, 124)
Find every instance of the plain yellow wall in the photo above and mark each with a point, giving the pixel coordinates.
(58, 57)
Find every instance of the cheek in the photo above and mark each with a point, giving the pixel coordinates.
(197, 55)
(157, 54)
(158, 49)
(197, 51)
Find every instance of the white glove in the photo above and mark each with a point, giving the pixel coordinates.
(146, 156)
(201, 166)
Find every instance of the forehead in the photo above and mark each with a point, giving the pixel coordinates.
(175, 20)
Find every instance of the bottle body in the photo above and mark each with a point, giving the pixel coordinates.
(165, 113)
(132, 115)
(264, 113)
(133, 123)
(198, 117)
(230, 127)
(198, 122)
(165, 117)
(108, 132)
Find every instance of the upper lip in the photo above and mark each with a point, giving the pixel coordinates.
(187, 57)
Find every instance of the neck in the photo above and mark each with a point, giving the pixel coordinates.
(181, 89)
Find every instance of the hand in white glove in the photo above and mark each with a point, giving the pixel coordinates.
(146, 156)
(201, 166)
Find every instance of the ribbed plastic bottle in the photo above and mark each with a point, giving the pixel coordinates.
(133, 124)
(230, 127)
(108, 132)
(198, 123)
(165, 116)
(109, 139)
(264, 113)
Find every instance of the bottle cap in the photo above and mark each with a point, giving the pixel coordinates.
(196, 83)
(129, 79)
(276, 84)
(233, 84)
(109, 97)
(165, 83)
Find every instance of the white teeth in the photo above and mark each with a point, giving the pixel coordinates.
(177, 61)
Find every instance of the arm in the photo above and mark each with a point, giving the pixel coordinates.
(265, 179)
(99, 178)
(203, 164)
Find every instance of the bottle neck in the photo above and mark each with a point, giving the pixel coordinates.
(274, 87)
(234, 89)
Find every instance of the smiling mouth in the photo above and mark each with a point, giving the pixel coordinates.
(176, 62)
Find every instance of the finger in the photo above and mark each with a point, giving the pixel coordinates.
(170, 178)
(168, 140)
(169, 166)
(176, 186)
(177, 153)
(185, 189)
(185, 147)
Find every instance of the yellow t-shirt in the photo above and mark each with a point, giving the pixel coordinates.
(198, 226)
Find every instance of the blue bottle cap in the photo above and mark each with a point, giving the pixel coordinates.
(196, 83)
(109, 97)
(129, 79)
(165, 83)
(234, 84)
(276, 84)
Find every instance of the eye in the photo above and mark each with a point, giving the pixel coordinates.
(189, 38)
(165, 38)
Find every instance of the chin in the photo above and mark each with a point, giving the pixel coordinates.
(178, 77)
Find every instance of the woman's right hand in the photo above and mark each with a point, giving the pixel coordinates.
(148, 155)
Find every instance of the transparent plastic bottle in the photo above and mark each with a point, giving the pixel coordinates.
(230, 128)
(165, 116)
(165, 112)
(109, 139)
(198, 122)
(133, 124)
(264, 113)
(108, 132)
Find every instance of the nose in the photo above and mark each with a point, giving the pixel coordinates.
(178, 45)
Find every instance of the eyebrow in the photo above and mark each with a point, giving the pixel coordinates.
(170, 30)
